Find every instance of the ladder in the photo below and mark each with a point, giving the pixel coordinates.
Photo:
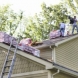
(9, 61)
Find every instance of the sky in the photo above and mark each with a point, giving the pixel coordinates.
(30, 7)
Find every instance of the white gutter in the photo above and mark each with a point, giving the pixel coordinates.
(71, 72)
(53, 54)
(50, 75)
(55, 73)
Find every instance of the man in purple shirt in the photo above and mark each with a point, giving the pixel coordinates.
(75, 25)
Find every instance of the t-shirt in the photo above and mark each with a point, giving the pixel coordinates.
(62, 25)
(75, 22)
(71, 21)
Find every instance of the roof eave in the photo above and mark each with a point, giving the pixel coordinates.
(44, 46)
(62, 68)
(61, 42)
(46, 63)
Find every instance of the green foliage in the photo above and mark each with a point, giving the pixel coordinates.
(9, 21)
(72, 6)
(13, 22)
(3, 17)
(39, 26)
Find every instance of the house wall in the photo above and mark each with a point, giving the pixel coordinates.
(46, 53)
(66, 54)
(22, 64)
(25, 65)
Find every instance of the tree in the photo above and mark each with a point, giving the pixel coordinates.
(9, 20)
(72, 6)
(32, 29)
(13, 23)
(3, 17)
(39, 26)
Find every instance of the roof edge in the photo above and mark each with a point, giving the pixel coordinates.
(45, 62)
(27, 73)
(61, 42)
(65, 69)
(42, 46)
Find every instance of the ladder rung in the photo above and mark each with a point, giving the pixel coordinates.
(5, 72)
(10, 54)
(9, 60)
(12, 49)
(7, 66)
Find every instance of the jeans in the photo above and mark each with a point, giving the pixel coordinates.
(74, 26)
(62, 31)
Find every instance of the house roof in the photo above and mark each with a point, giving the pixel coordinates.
(46, 43)
(48, 64)
(55, 41)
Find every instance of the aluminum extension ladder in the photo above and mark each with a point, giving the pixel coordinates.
(10, 59)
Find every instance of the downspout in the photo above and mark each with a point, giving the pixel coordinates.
(55, 73)
(53, 54)
(53, 58)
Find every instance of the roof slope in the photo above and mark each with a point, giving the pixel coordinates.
(45, 43)
(56, 41)
(40, 60)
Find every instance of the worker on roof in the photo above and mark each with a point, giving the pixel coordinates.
(62, 29)
(75, 25)
(73, 21)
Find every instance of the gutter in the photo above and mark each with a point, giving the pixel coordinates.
(53, 58)
(55, 73)
(53, 53)
(65, 69)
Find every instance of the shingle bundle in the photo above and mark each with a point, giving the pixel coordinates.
(54, 34)
(22, 46)
(7, 38)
